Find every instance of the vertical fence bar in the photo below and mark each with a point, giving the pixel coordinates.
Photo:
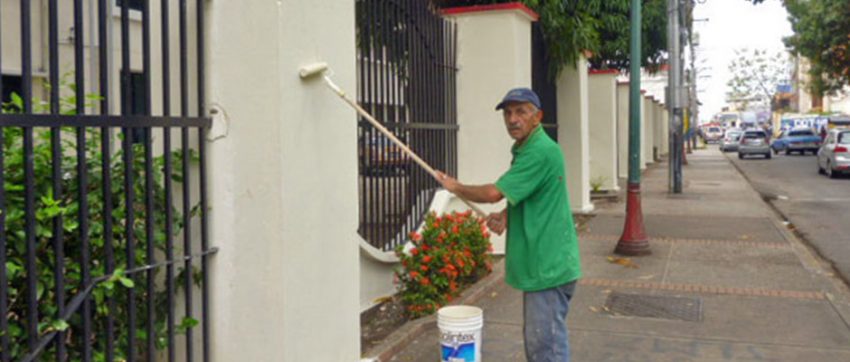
(150, 325)
(369, 146)
(187, 207)
(361, 133)
(29, 177)
(82, 181)
(202, 175)
(4, 283)
(104, 17)
(167, 171)
(382, 107)
(129, 194)
(56, 175)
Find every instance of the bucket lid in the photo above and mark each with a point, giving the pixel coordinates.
(459, 312)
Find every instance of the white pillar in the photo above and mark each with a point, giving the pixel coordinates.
(282, 183)
(659, 128)
(573, 133)
(602, 103)
(649, 128)
(623, 129)
(494, 56)
(644, 137)
(665, 130)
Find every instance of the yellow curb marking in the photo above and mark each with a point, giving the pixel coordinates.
(699, 288)
(749, 243)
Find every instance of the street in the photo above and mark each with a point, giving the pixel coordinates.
(818, 207)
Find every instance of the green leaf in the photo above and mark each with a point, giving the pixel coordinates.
(186, 324)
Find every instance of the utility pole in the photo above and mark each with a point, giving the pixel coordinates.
(674, 95)
(633, 241)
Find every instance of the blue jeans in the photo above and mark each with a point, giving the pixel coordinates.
(545, 327)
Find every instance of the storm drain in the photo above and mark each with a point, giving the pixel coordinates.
(655, 306)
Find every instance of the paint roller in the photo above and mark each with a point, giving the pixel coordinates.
(321, 68)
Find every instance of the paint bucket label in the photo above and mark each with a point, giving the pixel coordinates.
(458, 346)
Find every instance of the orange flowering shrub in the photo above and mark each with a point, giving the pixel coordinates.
(452, 252)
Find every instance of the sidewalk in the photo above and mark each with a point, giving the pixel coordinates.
(725, 281)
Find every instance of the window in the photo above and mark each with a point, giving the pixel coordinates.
(133, 4)
(800, 133)
(11, 84)
(844, 138)
(138, 105)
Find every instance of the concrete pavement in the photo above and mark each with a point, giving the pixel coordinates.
(725, 281)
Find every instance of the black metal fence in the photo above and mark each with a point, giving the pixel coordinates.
(406, 77)
(99, 243)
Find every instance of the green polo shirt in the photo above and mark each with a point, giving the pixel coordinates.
(542, 246)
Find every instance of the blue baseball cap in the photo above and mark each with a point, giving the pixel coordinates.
(520, 95)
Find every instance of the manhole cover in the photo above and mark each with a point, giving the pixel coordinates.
(655, 306)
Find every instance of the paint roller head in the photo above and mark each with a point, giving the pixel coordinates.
(310, 70)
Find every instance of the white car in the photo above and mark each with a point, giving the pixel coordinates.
(834, 155)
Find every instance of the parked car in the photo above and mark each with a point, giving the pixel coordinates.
(834, 155)
(797, 140)
(380, 156)
(713, 134)
(730, 141)
(754, 142)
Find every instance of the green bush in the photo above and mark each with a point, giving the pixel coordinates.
(452, 252)
(67, 205)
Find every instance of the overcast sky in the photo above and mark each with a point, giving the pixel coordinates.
(733, 24)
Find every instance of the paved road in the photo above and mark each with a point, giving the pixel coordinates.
(817, 206)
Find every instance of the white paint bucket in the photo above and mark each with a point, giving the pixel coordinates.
(460, 333)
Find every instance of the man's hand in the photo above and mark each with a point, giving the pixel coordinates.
(448, 182)
(497, 222)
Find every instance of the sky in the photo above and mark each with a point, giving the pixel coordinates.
(732, 24)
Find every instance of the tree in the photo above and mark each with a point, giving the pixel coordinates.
(613, 51)
(755, 76)
(821, 29)
(599, 28)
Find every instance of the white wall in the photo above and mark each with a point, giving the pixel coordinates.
(283, 183)
(573, 133)
(648, 121)
(623, 129)
(644, 136)
(494, 56)
(602, 102)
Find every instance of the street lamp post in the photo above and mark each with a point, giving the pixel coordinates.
(633, 241)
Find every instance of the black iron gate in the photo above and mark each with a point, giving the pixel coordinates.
(100, 243)
(406, 79)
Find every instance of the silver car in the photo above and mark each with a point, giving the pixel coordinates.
(754, 142)
(730, 141)
(834, 155)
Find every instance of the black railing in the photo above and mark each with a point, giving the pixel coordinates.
(87, 229)
(406, 78)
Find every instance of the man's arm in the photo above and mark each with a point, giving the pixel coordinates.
(476, 193)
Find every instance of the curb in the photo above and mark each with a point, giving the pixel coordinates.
(398, 340)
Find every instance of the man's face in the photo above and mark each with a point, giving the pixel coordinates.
(520, 119)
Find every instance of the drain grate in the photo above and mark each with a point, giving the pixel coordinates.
(655, 306)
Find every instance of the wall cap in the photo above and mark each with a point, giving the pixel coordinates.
(603, 71)
(520, 7)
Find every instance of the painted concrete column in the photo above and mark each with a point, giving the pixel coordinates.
(623, 130)
(665, 134)
(659, 129)
(602, 111)
(574, 133)
(283, 183)
(644, 157)
(494, 56)
(648, 129)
